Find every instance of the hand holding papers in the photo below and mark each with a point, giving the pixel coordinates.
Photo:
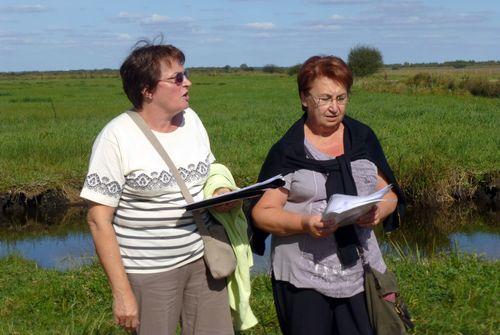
(345, 209)
(243, 193)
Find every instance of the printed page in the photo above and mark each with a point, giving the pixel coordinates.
(345, 209)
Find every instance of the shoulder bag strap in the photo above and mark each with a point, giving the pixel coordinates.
(139, 121)
(364, 261)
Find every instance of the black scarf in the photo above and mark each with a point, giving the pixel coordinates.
(288, 155)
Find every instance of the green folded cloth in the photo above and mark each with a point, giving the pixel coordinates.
(235, 223)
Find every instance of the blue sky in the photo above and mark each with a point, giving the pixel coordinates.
(94, 34)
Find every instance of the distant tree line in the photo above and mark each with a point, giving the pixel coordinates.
(81, 73)
(458, 64)
(362, 60)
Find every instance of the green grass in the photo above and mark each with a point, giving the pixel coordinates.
(36, 301)
(435, 143)
(453, 294)
(446, 294)
(47, 128)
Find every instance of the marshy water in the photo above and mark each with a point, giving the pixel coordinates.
(63, 241)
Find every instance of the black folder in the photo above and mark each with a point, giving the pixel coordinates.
(243, 193)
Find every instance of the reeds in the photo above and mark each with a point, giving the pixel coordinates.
(483, 82)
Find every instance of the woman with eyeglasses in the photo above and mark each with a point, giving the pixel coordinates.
(317, 275)
(147, 243)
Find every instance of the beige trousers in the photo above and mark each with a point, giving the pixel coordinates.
(188, 292)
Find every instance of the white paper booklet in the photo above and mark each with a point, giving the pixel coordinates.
(345, 209)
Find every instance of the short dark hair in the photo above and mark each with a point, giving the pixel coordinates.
(142, 68)
(330, 67)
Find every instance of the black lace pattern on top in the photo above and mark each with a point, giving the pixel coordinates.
(143, 181)
(159, 180)
(103, 185)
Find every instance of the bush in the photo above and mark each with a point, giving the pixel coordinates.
(364, 60)
(459, 64)
(476, 86)
(293, 70)
(271, 68)
(423, 80)
(483, 87)
(245, 67)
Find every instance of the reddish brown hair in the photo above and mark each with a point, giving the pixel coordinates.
(330, 67)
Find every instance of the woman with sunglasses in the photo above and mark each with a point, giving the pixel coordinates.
(317, 272)
(147, 243)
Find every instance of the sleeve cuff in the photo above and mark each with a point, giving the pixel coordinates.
(99, 198)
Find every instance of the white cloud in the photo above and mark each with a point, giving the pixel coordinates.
(411, 20)
(123, 37)
(214, 40)
(22, 9)
(263, 34)
(407, 15)
(17, 38)
(260, 25)
(155, 19)
(127, 17)
(323, 27)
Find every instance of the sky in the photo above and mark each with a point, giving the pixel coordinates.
(97, 34)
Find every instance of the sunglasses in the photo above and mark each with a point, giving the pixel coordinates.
(178, 78)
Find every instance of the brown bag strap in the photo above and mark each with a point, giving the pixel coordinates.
(139, 121)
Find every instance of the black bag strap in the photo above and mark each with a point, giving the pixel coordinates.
(364, 261)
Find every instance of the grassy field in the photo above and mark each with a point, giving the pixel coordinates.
(447, 294)
(438, 144)
(477, 71)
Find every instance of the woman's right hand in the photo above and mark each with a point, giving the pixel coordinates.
(126, 311)
(316, 227)
(269, 215)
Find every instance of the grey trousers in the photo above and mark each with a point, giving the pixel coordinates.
(188, 292)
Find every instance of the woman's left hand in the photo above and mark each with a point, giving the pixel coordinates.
(370, 219)
(226, 207)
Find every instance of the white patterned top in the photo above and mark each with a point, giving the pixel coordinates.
(154, 232)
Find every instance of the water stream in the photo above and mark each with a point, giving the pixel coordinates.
(67, 243)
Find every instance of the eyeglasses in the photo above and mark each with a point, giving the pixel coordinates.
(328, 99)
(178, 78)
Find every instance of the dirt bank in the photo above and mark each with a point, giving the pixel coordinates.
(49, 205)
